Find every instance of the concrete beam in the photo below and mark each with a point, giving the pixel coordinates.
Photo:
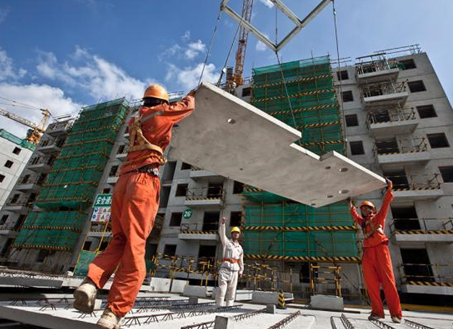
(230, 137)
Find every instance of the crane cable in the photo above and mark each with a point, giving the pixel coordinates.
(210, 45)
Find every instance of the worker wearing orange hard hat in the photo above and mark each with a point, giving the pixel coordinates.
(135, 202)
(376, 261)
(232, 265)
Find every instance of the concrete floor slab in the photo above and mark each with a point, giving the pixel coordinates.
(61, 315)
(234, 139)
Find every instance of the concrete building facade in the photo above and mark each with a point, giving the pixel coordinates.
(14, 154)
(399, 124)
(34, 167)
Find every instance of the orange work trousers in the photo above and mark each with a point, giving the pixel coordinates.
(377, 269)
(135, 202)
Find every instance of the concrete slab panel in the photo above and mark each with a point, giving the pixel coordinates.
(265, 297)
(234, 139)
(160, 285)
(195, 291)
(178, 286)
(326, 302)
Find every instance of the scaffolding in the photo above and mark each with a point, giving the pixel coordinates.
(71, 185)
(302, 95)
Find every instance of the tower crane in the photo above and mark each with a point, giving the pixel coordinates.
(236, 77)
(34, 134)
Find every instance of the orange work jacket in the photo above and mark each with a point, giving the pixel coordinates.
(156, 124)
(373, 226)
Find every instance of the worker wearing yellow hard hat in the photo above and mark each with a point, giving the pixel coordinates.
(232, 265)
(376, 261)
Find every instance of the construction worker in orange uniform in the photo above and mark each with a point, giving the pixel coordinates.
(135, 202)
(232, 265)
(376, 261)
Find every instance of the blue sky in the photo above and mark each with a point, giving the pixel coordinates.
(62, 55)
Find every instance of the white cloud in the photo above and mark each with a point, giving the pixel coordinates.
(186, 36)
(7, 70)
(39, 96)
(99, 78)
(267, 3)
(188, 77)
(260, 46)
(195, 48)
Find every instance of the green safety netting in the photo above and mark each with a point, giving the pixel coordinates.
(311, 244)
(51, 230)
(85, 258)
(296, 215)
(304, 99)
(71, 184)
(78, 169)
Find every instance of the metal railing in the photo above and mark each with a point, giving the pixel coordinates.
(415, 182)
(200, 227)
(377, 63)
(19, 202)
(439, 273)
(400, 146)
(59, 126)
(205, 192)
(383, 88)
(41, 160)
(394, 115)
(420, 224)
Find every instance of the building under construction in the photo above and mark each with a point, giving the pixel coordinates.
(387, 112)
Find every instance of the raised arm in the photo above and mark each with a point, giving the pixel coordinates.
(222, 230)
(355, 215)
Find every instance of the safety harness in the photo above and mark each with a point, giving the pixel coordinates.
(373, 228)
(138, 141)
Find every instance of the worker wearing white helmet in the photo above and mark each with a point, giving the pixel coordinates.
(232, 265)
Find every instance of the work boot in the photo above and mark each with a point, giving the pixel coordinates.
(396, 319)
(374, 317)
(85, 296)
(109, 320)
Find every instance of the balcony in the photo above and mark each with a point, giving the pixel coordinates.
(206, 232)
(384, 94)
(198, 173)
(49, 147)
(113, 178)
(30, 185)
(416, 187)
(413, 231)
(56, 129)
(21, 205)
(436, 279)
(378, 69)
(392, 122)
(8, 230)
(41, 164)
(203, 197)
(100, 229)
(401, 152)
(121, 156)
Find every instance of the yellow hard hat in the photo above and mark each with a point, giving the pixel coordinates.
(156, 91)
(235, 229)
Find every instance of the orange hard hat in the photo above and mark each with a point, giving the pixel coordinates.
(367, 204)
(156, 91)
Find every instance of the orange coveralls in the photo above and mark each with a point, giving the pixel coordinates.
(135, 202)
(376, 261)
